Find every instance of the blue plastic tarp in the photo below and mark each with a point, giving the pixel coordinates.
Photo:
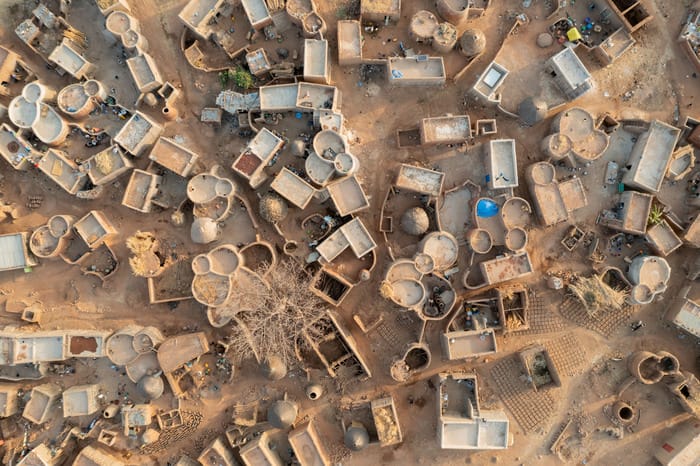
(486, 208)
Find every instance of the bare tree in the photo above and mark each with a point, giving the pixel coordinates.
(270, 315)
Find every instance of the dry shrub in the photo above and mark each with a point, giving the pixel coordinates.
(595, 295)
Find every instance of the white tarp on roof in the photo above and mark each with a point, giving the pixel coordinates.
(11, 252)
(234, 102)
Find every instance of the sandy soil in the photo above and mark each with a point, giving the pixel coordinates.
(662, 83)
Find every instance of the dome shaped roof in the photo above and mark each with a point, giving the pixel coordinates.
(415, 221)
(544, 40)
(282, 414)
(274, 368)
(532, 110)
(204, 230)
(472, 42)
(151, 386)
(150, 99)
(298, 147)
(150, 436)
(356, 437)
(273, 208)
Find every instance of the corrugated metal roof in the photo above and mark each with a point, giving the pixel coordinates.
(11, 252)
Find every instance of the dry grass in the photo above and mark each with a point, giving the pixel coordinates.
(512, 323)
(145, 265)
(596, 295)
(104, 163)
(140, 242)
(144, 262)
(386, 291)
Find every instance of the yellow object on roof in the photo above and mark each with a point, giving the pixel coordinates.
(573, 34)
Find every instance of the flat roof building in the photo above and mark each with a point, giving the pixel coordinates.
(94, 228)
(257, 13)
(176, 351)
(258, 62)
(217, 454)
(293, 188)
(420, 180)
(94, 456)
(685, 312)
(313, 96)
(211, 115)
(279, 97)
(682, 448)
(138, 133)
(335, 346)
(108, 165)
(506, 268)
(68, 59)
(445, 129)
(349, 42)
(663, 239)
(632, 13)
(145, 73)
(63, 171)
(143, 186)
(8, 63)
(259, 152)
(307, 446)
(462, 425)
(41, 455)
(42, 403)
(386, 421)
(348, 196)
(15, 149)
(50, 346)
(469, 343)
(196, 15)
(421, 70)
(257, 452)
(353, 235)
(136, 418)
(614, 46)
(379, 10)
(651, 156)
(8, 400)
(171, 155)
(554, 201)
(14, 253)
(81, 400)
(317, 66)
(303, 97)
(539, 367)
(490, 81)
(691, 236)
(570, 74)
(502, 164)
(633, 215)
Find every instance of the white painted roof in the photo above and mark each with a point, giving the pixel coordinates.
(11, 252)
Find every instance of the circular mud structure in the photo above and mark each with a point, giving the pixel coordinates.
(516, 239)
(480, 241)
(542, 173)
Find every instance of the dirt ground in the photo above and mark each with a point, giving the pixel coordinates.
(652, 81)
